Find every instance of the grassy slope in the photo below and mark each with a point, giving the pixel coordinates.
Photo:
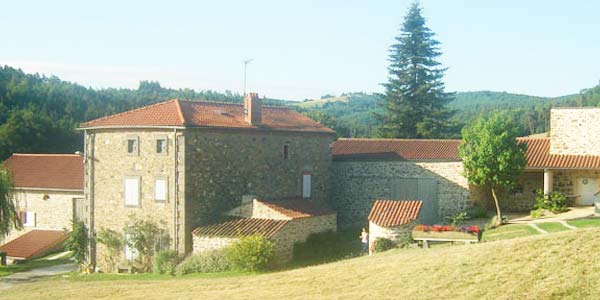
(555, 266)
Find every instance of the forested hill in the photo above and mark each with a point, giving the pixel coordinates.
(353, 114)
(39, 114)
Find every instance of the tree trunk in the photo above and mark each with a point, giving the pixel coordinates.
(498, 212)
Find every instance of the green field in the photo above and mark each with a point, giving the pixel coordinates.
(552, 227)
(552, 266)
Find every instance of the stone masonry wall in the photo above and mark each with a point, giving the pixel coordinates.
(519, 199)
(204, 243)
(56, 212)
(298, 230)
(573, 131)
(357, 184)
(396, 233)
(112, 164)
(258, 210)
(224, 165)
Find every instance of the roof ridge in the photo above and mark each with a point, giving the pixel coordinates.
(180, 111)
(45, 154)
(131, 111)
(398, 139)
(232, 103)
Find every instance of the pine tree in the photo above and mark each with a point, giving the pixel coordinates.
(414, 101)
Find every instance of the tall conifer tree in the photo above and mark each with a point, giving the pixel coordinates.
(415, 101)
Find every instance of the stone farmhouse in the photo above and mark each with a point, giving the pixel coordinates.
(185, 163)
(49, 195)
(568, 160)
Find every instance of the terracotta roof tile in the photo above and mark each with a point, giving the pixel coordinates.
(396, 149)
(388, 213)
(297, 208)
(539, 157)
(209, 114)
(34, 243)
(241, 227)
(56, 171)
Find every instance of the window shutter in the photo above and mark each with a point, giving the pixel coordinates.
(132, 191)
(306, 185)
(160, 190)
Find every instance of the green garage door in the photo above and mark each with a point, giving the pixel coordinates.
(424, 189)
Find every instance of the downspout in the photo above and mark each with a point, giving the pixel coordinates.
(175, 192)
(89, 145)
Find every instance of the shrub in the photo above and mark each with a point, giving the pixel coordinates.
(494, 222)
(537, 213)
(476, 211)
(555, 202)
(458, 218)
(251, 253)
(146, 238)
(78, 242)
(113, 241)
(166, 261)
(383, 244)
(205, 262)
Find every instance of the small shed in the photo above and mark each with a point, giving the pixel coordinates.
(286, 222)
(393, 219)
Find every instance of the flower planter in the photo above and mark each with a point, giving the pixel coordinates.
(445, 235)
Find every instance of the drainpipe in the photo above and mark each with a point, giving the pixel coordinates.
(175, 193)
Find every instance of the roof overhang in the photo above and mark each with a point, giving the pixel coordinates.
(130, 127)
(41, 189)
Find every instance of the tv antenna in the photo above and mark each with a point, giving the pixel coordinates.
(246, 62)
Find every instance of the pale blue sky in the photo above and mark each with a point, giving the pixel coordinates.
(302, 49)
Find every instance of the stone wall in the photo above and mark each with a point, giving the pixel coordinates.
(357, 184)
(205, 243)
(112, 163)
(573, 131)
(258, 210)
(224, 165)
(298, 230)
(52, 212)
(519, 199)
(395, 233)
(565, 181)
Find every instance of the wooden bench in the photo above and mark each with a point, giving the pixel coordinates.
(431, 239)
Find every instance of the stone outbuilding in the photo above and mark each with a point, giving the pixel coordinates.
(285, 222)
(48, 191)
(393, 219)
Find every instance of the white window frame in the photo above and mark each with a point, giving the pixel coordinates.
(130, 253)
(165, 197)
(29, 219)
(306, 185)
(129, 203)
(136, 139)
(165, 150)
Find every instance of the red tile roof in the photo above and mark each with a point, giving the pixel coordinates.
(399, 149)
(56, 171)
(388, 213)
(34, 243)
(208, 114)
(241, 227)
(539, 157)
(297, 208)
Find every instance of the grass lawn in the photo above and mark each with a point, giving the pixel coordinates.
(552, 226)
(508, 232)
(36, 263)
(554, 266)
(146, 276)
(585, 223)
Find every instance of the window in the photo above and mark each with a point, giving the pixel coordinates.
(27, 218)
(286, 151)
(306, 185)
(161, 146)
(132, 191)
(161, 190)
(130, 252)
(132, 145)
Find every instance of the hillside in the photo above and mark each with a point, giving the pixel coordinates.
(555, 266)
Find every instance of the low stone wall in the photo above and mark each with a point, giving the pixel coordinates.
(519, 199)
(357, 184)
(396, 233)
(298, 230)
(203, 243)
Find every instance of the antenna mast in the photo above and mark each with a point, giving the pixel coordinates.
(246, 62)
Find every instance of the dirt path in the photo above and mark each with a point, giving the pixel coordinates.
(31, 275)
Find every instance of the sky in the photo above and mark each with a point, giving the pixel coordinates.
(301, 49)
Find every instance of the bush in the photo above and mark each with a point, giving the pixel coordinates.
(458, 218)
(555, 202)
(328, 246)
(205, 262)
(383, 244)
(146, 238)
(78, 242)
(494, 222)
(538, 213)
(113, 241)
(251, 253)
(166, 261)
(476, 211)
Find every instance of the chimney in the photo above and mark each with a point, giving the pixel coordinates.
(252, 109)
